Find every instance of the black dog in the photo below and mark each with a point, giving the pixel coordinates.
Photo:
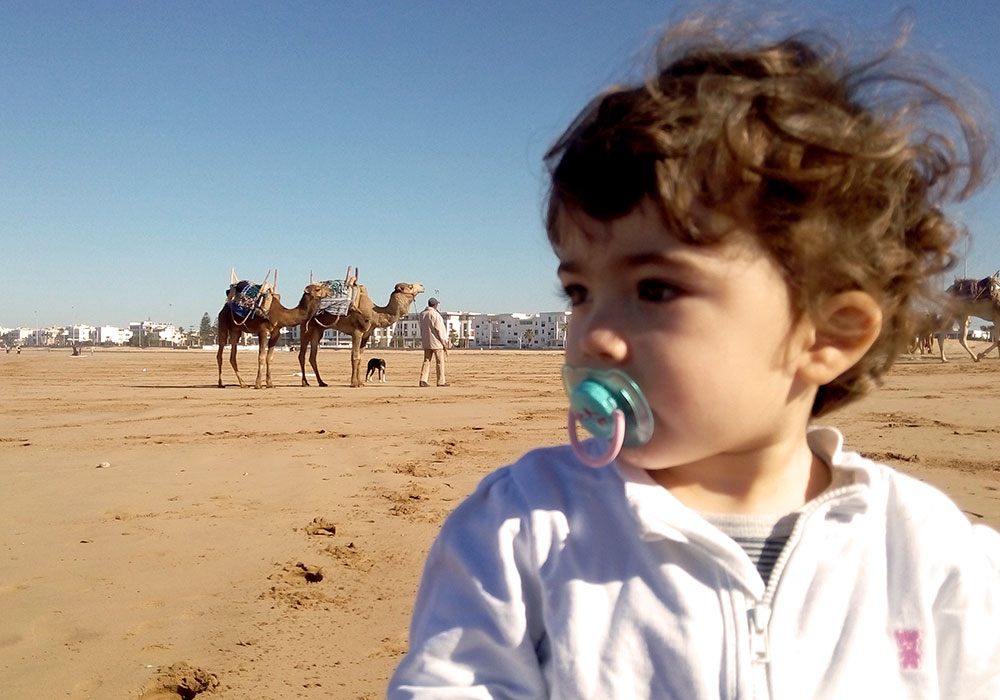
(376, 364)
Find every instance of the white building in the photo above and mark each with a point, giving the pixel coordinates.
(529, 331)
(155, 333)
(18, 336)
(80, 333)
(47, 336)
(477, 330)
(465, 330)
(110, 335)
(551, 331)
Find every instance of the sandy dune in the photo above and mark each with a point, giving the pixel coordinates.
(163, 537)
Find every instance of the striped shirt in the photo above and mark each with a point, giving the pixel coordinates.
(762, 537)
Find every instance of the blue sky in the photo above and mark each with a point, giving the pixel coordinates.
(148, 147)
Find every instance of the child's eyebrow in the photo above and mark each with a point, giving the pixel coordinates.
(677, 262)
(641, 259)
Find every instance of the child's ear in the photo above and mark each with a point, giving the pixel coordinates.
(837, 335)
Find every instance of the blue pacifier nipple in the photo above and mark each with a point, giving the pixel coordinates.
(610, 406)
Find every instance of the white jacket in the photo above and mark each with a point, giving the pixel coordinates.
(433, 332)
(556, 580)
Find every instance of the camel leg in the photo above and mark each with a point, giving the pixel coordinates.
(218, 356)
(941, 338)
(995, 343)
(361, 355)
(261, 360)
(226, 333)
(313, 350)
(272, 341)
(235, 340)
(356, 361)
(963, 339)
(303, 343)
(985, 352)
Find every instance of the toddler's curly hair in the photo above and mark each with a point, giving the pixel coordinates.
(843, 168)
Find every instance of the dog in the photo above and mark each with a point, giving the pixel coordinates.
(376, 365)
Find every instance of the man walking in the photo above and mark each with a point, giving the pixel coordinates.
(434, 338)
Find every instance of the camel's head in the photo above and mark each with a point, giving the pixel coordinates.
(411, 290)
(318, 290)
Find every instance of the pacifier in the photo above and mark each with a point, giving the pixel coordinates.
(611, 407)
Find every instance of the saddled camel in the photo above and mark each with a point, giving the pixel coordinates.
(968, 298)
(359, 323)
(267, 327)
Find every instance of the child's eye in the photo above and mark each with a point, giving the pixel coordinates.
(656, 290)
(575, 293)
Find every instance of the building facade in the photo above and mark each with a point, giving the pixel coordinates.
(477, 330)
(80, 334)
(154, 334)
(110, 335)
(466, 329)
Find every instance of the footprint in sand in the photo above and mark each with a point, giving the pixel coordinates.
(294, 586)
(321, 526)
(180, 681)
(311, 573)
(298, 573)
(349, 556)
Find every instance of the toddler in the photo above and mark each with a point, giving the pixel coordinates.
(745, 240)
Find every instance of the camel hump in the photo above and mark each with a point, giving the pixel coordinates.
(247, 299)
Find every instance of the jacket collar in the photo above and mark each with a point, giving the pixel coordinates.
(659, 515)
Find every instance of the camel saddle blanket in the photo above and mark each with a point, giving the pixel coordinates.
(342, 299)
(977, 290)
(247, 299)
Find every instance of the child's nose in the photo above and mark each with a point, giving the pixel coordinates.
(602, 342)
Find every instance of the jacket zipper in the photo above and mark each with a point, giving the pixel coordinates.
(759, 614)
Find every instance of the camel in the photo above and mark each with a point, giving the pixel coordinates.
(928, 325)
(968, 298)
(922, 342)
(359, 323)
(267, 328)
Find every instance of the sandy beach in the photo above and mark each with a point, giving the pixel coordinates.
(163, 538)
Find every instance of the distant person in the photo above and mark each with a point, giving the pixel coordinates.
(745, 239)
(434, 338)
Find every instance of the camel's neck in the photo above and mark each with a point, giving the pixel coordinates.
(280, 315)
(397, 307)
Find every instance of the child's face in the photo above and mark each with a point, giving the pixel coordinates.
(706, 332)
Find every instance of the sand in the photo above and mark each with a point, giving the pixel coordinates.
(163, 538)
